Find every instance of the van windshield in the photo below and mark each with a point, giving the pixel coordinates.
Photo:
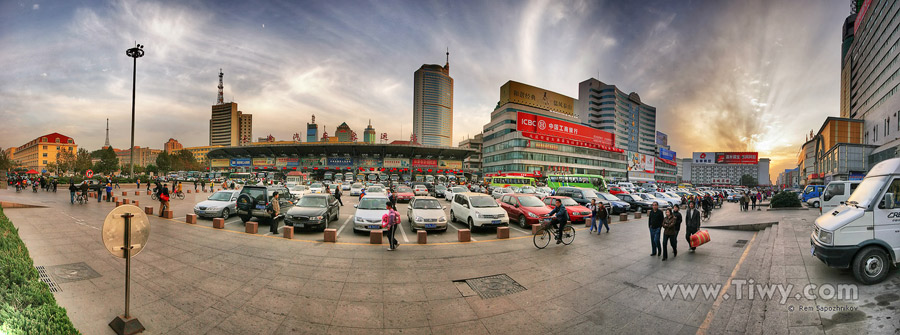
(866, 191)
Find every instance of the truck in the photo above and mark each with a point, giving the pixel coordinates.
(835, 194)
(863, 234)
(811, 191)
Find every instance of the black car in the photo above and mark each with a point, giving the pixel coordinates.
(255, 202)
(637, 203)
(439, 191)
(582, 196)
(313, 211)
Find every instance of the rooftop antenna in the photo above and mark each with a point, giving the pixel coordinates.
(221, 98)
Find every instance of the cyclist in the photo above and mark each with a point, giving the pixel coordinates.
(559, 221)
(707, 206)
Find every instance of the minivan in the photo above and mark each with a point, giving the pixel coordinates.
(836, 193)
(477, 210)
(811, 191)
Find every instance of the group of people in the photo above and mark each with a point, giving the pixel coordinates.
(749, 199)
(669, 223)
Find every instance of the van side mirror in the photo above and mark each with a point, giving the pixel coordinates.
(887, 202)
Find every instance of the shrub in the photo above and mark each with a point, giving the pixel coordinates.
(785, 199)
(26, 304)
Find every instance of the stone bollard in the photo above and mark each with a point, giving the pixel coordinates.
(125, 201)
(422, 237)
(623, 217)
(287, 232)
(118, 203)
(587, 222)
(637, 215)
(136, 203)
(502, 232)
(534, 228)
(189, 191)
(251, 227)
(219, 223)
(148, 210)
(115, 199)
(124, 194)
(464, 235)
(330, 235)
(190, 218)
(375, 236)
(168, 214)
(137, 192)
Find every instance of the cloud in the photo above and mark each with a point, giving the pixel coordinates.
(35, 7)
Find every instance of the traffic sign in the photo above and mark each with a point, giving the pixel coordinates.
(90, 174)
(114, 230)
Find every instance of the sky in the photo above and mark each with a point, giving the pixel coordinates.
(723, 75)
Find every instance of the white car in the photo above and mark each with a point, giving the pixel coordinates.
(317, 188)
(426, 213)
(373, 190)
(448, 194)
(356, 189)
(477, 210)
(672, 200)
(369, 212)
(543, 192)
(420, 190)
(814, 202)
(662, 203)
(219, 205)
(500, 191)
(298, 191)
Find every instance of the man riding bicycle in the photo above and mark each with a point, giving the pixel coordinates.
(559, 221)
(707, 206)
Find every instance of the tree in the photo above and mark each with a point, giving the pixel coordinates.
(66, 161)
(108, 163)
(183, 160)
(163, 162)
(82, 161)
(749, 181)
(6, 163)
(150, 168)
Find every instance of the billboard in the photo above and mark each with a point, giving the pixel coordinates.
(396, 162)
(447, 164)
(662, 138)
(312, 162)
(704, 158)
(737, 157)
(528, 95)
(564, 132)
(281, 162)
(641, 162)
(370, 162)
(240, 162)
(340, 161)
(419, 162)
(666, 154)
(263, 161)
(219, 162)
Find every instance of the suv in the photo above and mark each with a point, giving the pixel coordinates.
(255, 202)
(582, 196)
(477, 210)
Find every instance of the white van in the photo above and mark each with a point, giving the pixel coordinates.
(835, 194)
(864, 234)
(477, 210)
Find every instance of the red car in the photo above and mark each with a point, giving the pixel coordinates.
(615, 190)
(525, 209)
(404, 194)
(577, 213)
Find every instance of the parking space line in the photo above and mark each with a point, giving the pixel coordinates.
(403, 232)
(519, 230)
(343, 225)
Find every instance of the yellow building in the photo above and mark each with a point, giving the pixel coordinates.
(143, 156)
(200, 153)
(43, 150)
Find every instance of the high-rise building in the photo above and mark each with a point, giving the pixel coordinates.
(846, 43)
(369, 134)
(725, 168)
(312, 131)
(344, 133)
(873, 79)
(228, 126)
(473, 161)
(605, 107)
(433, 105)
(172, 145)
(39, 152)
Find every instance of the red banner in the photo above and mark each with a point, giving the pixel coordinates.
(419, 162)
(564, 130)
(554, 139)
(737, 157)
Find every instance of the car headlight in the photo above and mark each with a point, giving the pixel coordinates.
(316, 218)
(826, 237)
(477, 215)
(532, 215)
(442, 219)
(357, 219)
(419, 219)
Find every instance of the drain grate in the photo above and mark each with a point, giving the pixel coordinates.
(45, 277)
(67, 273)
(740, 243)
(494, 286)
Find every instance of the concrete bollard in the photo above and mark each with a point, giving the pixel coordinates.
(502, 232)
(422, 237)
(115, 199)
(137, 192)
(135, 203)
(464, 235)
(219, 223)
(125, 201)
(287, 232)
(623, 217)
(148, 210)
(189, 191)
(375, 236)
(637, 215)
(190, 218)
(251, 227)
(330, 235)
(535, 228)
(124, 194)
(587, 222)
(168, 214)
(118, 203)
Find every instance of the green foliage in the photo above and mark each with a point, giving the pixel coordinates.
(163, 162)
(26, 304)
(749, 181)
(6, 163)
(82, 161)
(785, 199)
(108, 163)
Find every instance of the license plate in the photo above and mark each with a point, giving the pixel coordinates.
(299, 225)
(496, 222)
(374, 227)
(430, 225)
(260, 206)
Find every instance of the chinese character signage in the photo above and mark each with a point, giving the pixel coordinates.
(263, 161)
(238, 162)
(396, 162)
(280, 162)
(641, 162)
(219, 162)
(575, 133)
(704, 158)
(453, 165)
(666, 154)
(528, 95)
(737, 157)
(312, 162)
(417, 162)
(340, 161)
(662, 138)
(370, 162)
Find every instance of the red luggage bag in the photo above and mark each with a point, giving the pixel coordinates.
(699, 238)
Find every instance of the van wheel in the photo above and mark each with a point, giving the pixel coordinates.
(871, 265)
(452, 217)
(816, 204)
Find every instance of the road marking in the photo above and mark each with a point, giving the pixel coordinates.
(712, 311)
(81, 222)
(520, 230)
(403, 232)
(343, 225)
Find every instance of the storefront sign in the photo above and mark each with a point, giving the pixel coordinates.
(447, 164)
(240, 162)
(370, 162)
(396, 162)
(340, 161)
(704, 158)
(552, 127)
(856, 176)
(312, 162)
(666, 154)
(566, 141)
(542, 145)
(418, 162)
(219, 162)
(528, 95)
(287, 162)
(737, 157)
(263, 161)
(641, 162)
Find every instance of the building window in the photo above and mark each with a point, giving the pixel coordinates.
(45, 154)
(45, 162)
(45, 147)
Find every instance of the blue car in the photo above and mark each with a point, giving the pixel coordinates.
(617, 205)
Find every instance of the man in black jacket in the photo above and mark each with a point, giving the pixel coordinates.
(655, 221)
(691, 223)
(670, 236)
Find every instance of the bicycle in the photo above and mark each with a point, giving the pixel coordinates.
(705, 215)
(81, 199)
(547, 232)
(179, 195)
(153, 196)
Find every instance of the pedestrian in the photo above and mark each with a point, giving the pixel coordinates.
(741, 202)
(337, 195)
(593, 207)
(203, 185)
(276, 209)
(753, 200)
(691, 224)
(603, 215)
(116, 183)
(148, 185)
(138, 181)
(55, 184)
(84, 189)
(163, 200)
(759, 198)
(655, 222)
(195, 185)
(390, 221)
(72, 190)
(672, 225)
(108, 192)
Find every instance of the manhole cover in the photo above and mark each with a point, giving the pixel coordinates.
(67, 273)
(494, 286)
(42, 273)
(740, 243)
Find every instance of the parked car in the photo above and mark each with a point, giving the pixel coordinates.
(404, 193)
(426, 213)
(256, 201)
(439, 191)
(345, 186)
(617, 205)
(317, 188)
(500, 191)
(219, 205)
(298, 191)
(543, 191)
(637, 203)
(582, 196)
(369, 211)
(448, 195)
(420, 190)
(670, 199)
(477, 210)
(662, 203)
(375, 190)
(524, 209)
(356, 189)
(577, 212)
(314, 211)
(615, 190)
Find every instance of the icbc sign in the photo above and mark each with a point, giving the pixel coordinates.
(567, 130)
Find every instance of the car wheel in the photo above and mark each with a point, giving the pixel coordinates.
(225, 213)
(816, 204)
(471, 225)
(871, 265)
(452, 217)
(522, 222)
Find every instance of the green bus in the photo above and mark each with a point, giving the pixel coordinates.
(510, 181)
(592, 181)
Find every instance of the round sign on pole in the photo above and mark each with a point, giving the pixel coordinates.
(113, 232)
(90, 174)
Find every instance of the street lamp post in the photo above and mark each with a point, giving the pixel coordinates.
(136, 52)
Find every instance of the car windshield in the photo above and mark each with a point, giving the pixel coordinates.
(458, 189)
(568, 202)
(483, 202)
(531, 202)
(309, 201)
(440, 187)
(528, 190)
(610, 197)
(545, 189)
(372, 203)
(221, 196)
(356, 185)
(404, 190)
(866, 191)
(426, 204)
(647, 196)
(374, 189)
(589, 193)
(316, 185)
(299, 188)
(257, 194)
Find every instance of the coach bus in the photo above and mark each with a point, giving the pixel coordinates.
(510, 181)
(592, 181)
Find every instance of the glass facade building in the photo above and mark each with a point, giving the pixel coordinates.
(433, 105)
(605, 107)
